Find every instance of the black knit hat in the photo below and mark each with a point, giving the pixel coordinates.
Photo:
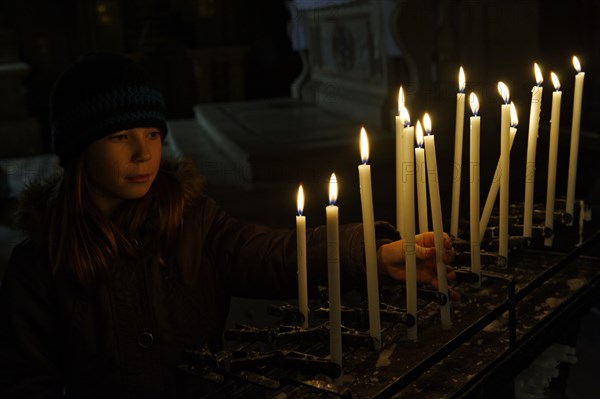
(100, 94)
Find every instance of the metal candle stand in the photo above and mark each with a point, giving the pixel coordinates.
(264, 362)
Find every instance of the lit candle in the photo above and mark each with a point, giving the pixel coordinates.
(458, 145)
(421, 180)
(534, 122)
(504, 169)
(574, 152)
(436, 216)
(333, 274)
(552, 160)
(474, 151)
(366, 199)
(410, 259)
(494, 188)
(399, 162)
(301, 244)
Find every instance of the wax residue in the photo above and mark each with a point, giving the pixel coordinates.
(384, 356)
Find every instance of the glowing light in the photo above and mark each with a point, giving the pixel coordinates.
(503, 90)
(514, 119)
(539, 78)
(427, 124)
(576, 64)
(300, 200)
(333, 189)
(364, 146)
(419, 134)
(474, 104)
(555, 81)
(401, 101)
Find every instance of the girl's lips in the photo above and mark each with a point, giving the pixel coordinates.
(138, 178)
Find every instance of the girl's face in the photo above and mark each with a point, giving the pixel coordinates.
(123, 166)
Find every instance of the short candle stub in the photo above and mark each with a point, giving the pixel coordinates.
(567, 218)
(548, 232)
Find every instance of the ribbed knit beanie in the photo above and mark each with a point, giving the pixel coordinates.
(100, 94)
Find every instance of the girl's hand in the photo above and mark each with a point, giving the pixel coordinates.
(391, 260)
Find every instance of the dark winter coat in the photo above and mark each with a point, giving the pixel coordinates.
(126, 338)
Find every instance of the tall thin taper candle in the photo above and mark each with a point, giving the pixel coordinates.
(552, 160)
(493, 192)
(301, 244)
(534, 123)
(421, 180)
(458, 147)
(399, 162)
(474, 152)
(574, 151)
(504, 169)
(368, 219)
(333, 271)
(409, 225)
(436, 216)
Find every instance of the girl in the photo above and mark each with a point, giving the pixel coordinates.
(127, 263)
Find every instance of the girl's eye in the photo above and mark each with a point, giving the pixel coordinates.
(154, 134)
(118, 137)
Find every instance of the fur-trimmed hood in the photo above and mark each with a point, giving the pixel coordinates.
(39, 195)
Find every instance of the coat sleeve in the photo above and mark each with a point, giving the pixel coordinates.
(259, 261)
(29, 338)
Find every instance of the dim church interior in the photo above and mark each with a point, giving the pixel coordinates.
(256, 147)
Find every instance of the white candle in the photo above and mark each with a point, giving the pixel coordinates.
(399, 162)
(409, 225)
(474, 152)
(552, 159)
(421, 180)
(333, 274)
(574, 152)
(301, 244)
(493, 192)
(534, 123)
(436, 216)
(368, 219)
(458, 147)
(504, 169)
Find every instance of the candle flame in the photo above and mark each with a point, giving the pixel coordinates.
(401, 100)
(419, 134)
(462, 83)
(514, 119)
(576, 64)
(333, 189)
(427, 124)
(300, 200)
(474, 104)
(405, 116)
(364, 146)
(555, 81)
(539, 78)
(503, 90)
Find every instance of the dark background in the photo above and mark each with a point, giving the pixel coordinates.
(166, 33)
(215, 51)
